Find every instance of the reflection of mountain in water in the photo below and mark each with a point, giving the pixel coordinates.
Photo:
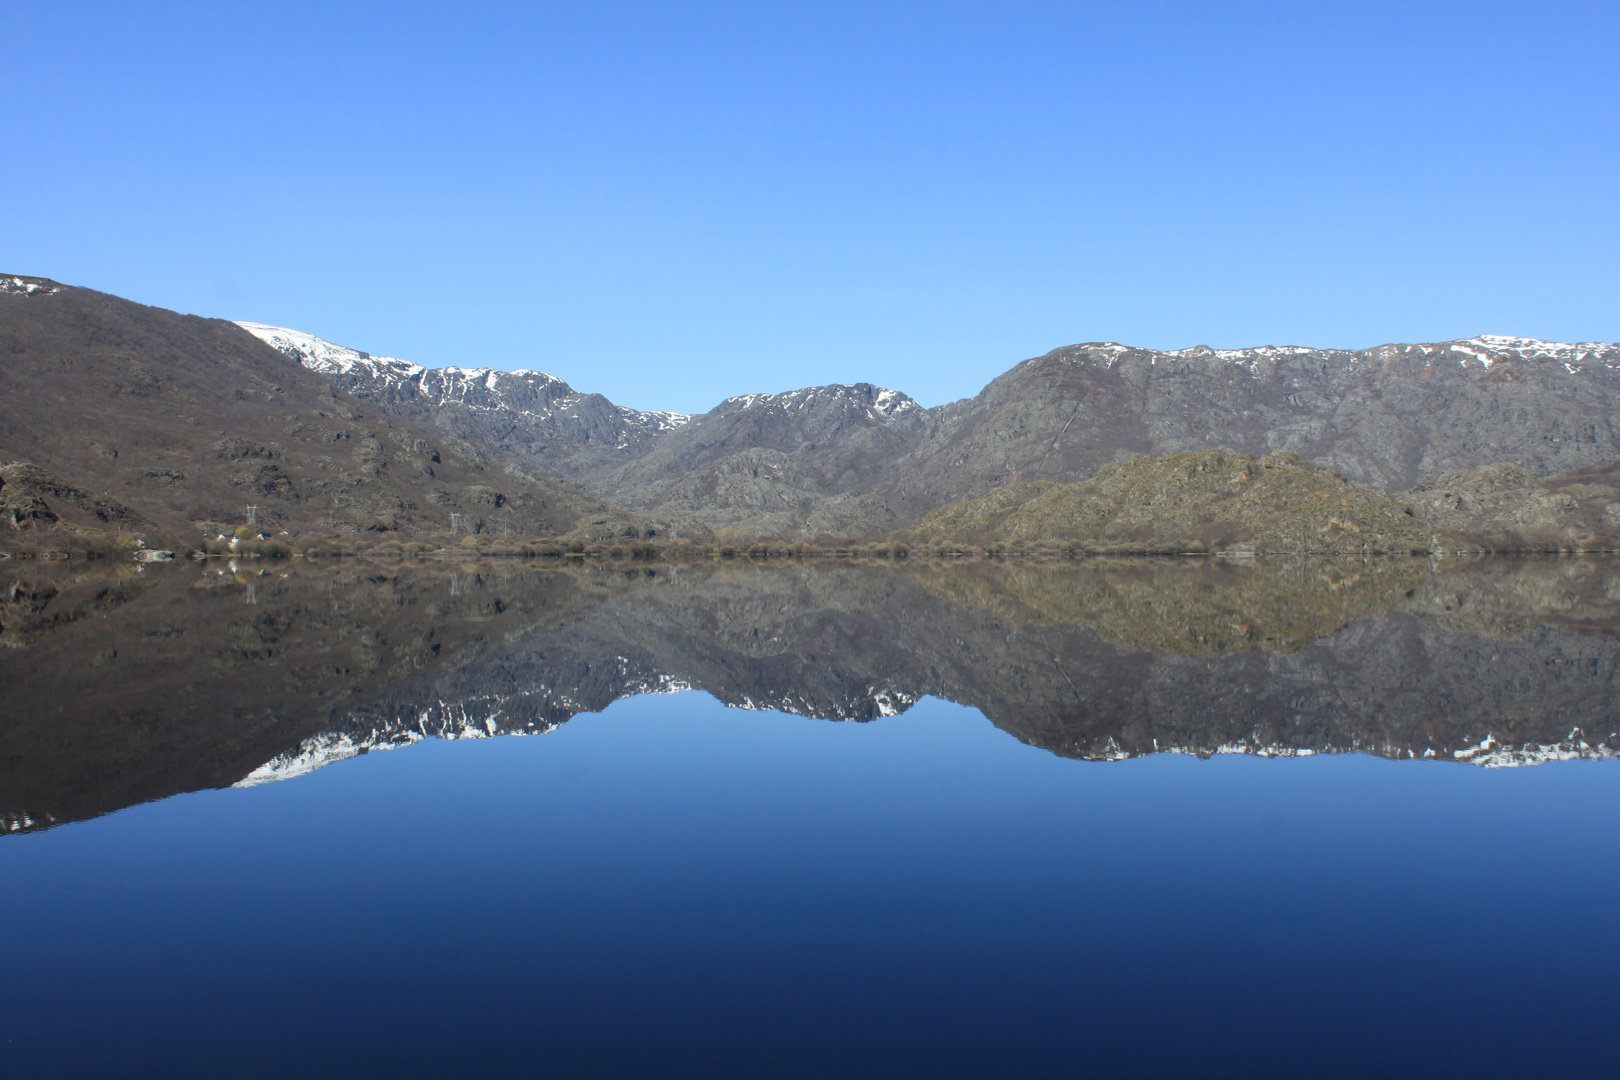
(134, 687)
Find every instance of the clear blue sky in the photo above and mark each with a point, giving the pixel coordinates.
(671, 203)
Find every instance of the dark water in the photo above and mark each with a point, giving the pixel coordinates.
(1003, 871)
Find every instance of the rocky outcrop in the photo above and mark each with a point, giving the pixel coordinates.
(32, 497)
(1508, 505)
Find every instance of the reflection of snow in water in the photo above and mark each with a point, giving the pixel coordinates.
(448, 721)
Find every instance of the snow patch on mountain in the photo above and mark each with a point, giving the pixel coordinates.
(16, 286)
(665, 421)
(1569, 354)
(1250, 358)
(879, 403)
(321, 355)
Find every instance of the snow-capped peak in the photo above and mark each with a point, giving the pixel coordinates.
(321, 355)
(664, 420)
(507, 400)
(1524, 344)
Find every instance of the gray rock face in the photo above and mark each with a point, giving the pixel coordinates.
(860, 460)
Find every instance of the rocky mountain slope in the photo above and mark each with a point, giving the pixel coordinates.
(790, 465)
(1507, 505)
(1384, 418)
(862, 460)
(528, 414)
(185, 421)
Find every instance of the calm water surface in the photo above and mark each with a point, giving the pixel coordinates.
(1324, 882)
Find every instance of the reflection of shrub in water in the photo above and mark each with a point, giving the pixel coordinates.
(1212, 606)
(249, 548)
(1504, 599)
(1203, 606)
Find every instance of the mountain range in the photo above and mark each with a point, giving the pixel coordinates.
(187, 420)
(861, 459)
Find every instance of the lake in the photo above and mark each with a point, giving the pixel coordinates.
(1096, 818)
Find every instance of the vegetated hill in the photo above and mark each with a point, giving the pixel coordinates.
(833, 459)
(31, 498)
(1207, 500)
(187, 420)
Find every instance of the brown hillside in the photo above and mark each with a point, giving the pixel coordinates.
(187, 420)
